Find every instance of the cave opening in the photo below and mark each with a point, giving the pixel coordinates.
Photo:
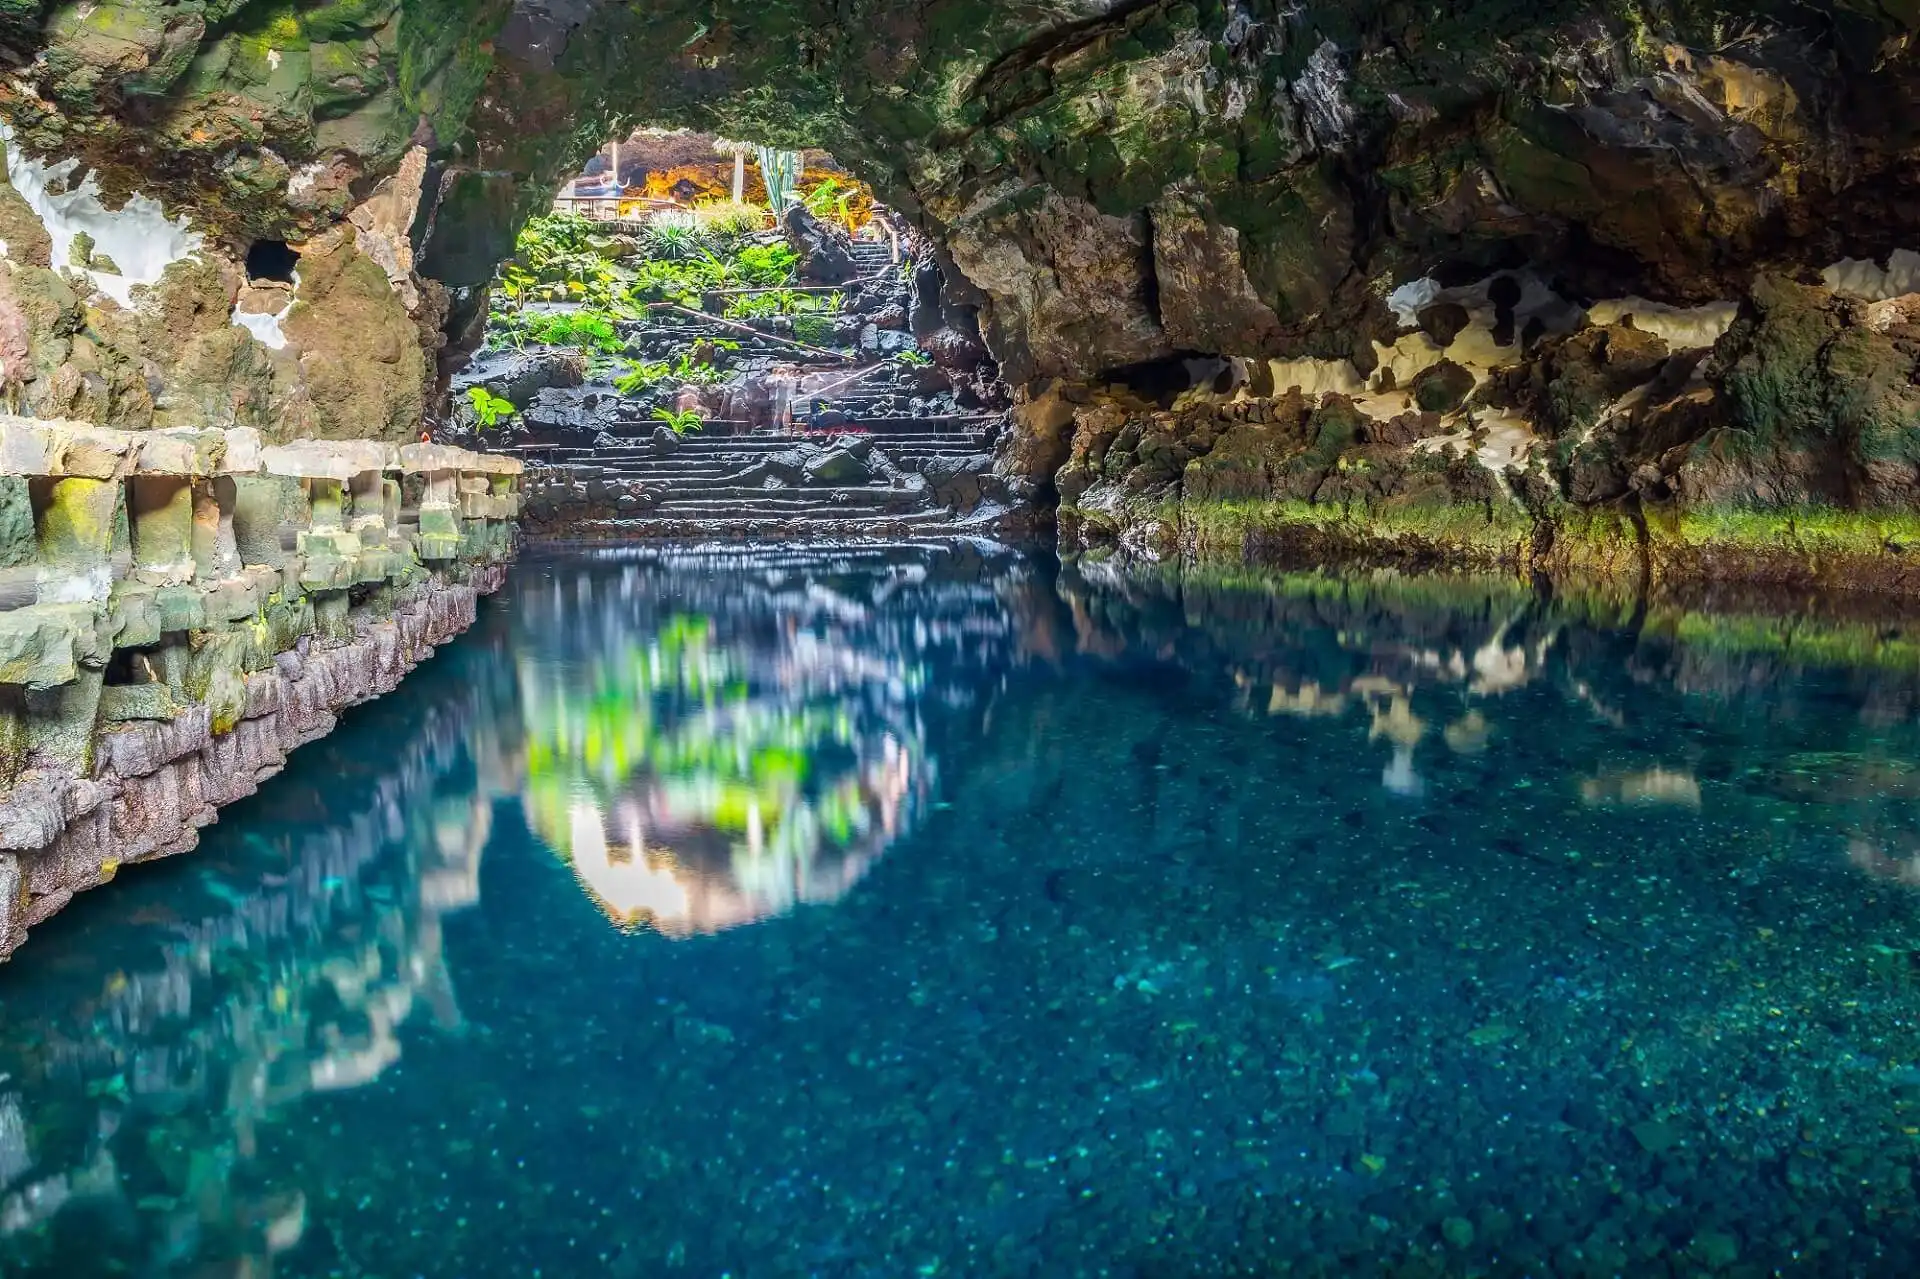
(694, 295)
(271, 260)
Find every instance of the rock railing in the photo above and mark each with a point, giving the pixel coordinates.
(179, 609)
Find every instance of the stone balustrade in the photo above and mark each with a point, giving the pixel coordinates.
(181, 608)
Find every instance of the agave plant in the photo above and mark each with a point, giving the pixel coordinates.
(781, 169)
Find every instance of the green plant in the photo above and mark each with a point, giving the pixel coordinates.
(813, 328)
(641, 376)
(766, 264)
(757, 306)
(830, 198)
(682, 283)
(680, 420)
(698, 372)
(781, 170)
(913, 359)
(676, 242)
(728, 221)
(489, 409)
(588, 329)
(554, 235)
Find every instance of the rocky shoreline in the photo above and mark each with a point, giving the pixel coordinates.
(160, 782)
(186, 607)
(1770, 443)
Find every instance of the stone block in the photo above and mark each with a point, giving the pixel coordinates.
(338, 460)
(95, 452)
(217, 671)
(182, 608)
(41, 646)
(178, 451)
(439, 546)
(160, 509)
(134, 619)
(326, 572)
(120, 703)
(149, 745)
(243, 452)
(19, 544)
(13, 735)
(333, 543)
(61, 721)
(266, 508)
(234, 600)
(287, 619)
(332, 616)
(216, 554)
(26, 446)
(13, 903)
(439, 519)
(76, 519)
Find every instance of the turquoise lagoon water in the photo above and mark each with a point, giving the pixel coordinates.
(944, 913)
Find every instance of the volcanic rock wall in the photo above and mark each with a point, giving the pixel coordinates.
(187, 607)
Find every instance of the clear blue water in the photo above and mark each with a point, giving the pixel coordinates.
(940, 913)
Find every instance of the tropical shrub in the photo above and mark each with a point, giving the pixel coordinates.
(759, 306)
(766, 265)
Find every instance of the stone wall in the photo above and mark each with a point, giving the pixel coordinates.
(181, 608)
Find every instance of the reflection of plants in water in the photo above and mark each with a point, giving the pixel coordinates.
(744, 766)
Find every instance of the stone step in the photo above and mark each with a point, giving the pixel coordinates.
(589, 456)
(720, 514)
(796, 498)
(729, 529)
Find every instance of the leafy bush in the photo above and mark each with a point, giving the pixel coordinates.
(913, 359)
(590, 330)
(766, 265)
(489, 409)
(829, 199)
(727, 221)
(555, 235)
(684, 283)
(691, 371)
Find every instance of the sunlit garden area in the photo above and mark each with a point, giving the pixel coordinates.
(703, 329)
(673, 286)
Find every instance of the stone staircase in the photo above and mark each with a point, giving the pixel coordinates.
(719, 485)
(914, 469)
(871, 257)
